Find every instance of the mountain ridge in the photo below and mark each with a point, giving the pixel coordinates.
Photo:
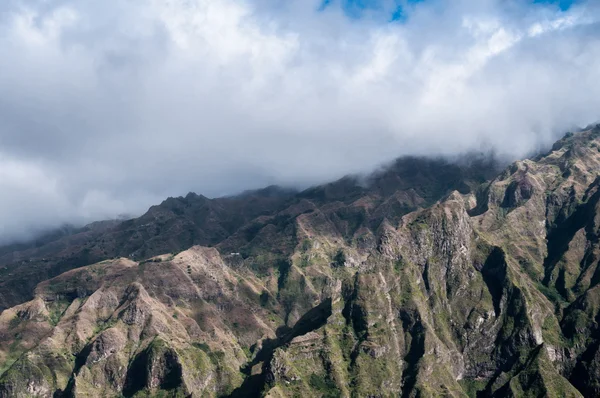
(489, 290)
(180, 222)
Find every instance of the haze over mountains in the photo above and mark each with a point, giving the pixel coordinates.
(179, 223)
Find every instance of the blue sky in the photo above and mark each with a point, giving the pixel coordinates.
(564, 5)
(356, 8)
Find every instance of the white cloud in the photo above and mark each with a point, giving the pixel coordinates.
(106, 107)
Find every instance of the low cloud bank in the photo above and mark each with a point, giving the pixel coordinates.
(108, 107)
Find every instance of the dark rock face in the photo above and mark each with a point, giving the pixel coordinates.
(154, 368)
(429, 280)
(518, 192)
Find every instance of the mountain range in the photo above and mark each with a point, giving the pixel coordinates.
(427, 278)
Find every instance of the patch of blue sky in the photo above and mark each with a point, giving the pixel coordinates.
(564, 5)
(399, 14)
(357, 8)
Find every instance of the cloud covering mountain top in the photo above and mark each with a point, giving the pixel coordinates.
(108, 107)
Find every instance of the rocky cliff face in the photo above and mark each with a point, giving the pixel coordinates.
(406, 285)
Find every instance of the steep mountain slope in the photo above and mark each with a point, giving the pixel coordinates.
(442, 288)
(174, 225)
(179, 223)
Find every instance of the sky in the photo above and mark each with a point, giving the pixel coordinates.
(109, 107)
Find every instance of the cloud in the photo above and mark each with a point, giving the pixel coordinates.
(108, 107)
